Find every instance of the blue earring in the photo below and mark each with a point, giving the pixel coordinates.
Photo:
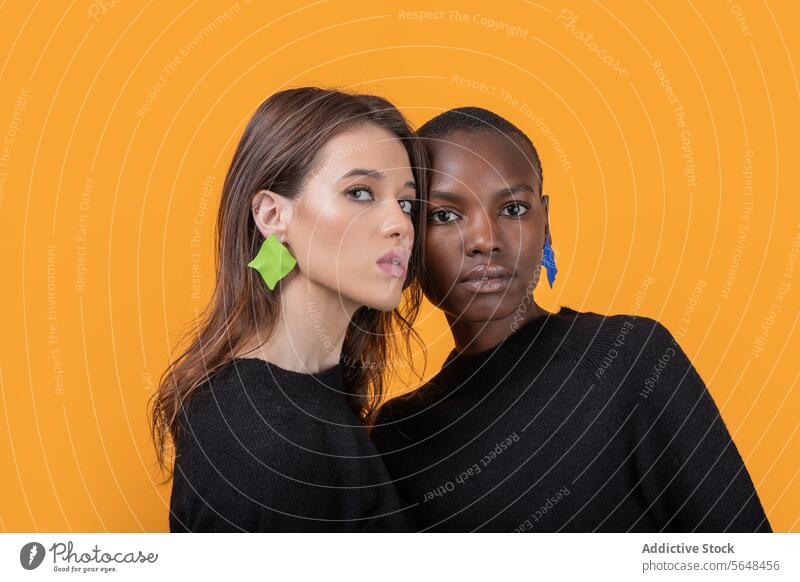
(549, 262)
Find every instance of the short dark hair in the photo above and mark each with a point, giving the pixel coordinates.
(472, 119)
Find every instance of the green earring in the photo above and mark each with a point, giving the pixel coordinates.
(273, 261)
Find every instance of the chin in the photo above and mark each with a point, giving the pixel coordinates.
(389, 305)
(486, 308)
(380, 303)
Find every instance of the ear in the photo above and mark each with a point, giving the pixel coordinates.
(546, 202)
(271, 213)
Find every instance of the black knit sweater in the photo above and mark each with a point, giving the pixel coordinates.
(575, 422)
(266, 449)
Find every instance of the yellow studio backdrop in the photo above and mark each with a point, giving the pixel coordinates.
(667, 132)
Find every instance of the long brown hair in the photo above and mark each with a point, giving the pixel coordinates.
(277, 151)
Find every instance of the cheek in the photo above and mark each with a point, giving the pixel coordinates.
(443, 259)
(530, 255)
(335, 244)
(320, 232)
(526, 242)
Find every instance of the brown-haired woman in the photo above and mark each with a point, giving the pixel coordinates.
(315, 246)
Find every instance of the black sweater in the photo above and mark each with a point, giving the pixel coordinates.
(575, 422)
(267, 449)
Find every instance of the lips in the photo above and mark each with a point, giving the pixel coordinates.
(486, 278)
(394, 262)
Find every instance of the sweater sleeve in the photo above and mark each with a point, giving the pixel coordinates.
(691, 472)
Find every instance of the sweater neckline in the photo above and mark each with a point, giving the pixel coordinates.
(287, 380)
(534, 341)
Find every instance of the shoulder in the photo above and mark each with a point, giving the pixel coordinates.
(238, 418)
(239, 442)
(653, 340)
(411, 404)
(396, 410)
(605, 326)
(226, 397)
(637, 351)
(394, 423)
(650, 331)
(220, 430)
(402, 406)
(609, 333)
(660, 373)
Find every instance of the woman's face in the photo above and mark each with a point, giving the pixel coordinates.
(484, 211)
(353, 212)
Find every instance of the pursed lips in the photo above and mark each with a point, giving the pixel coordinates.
(486, 278)
(394, 262)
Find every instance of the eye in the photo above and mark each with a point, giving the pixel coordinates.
(443, 215)
(514, 209)
(360, 193)
(407, 205)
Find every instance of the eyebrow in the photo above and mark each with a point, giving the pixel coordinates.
(502, 193)
(374, 174)
(521, 187)
(364, 172)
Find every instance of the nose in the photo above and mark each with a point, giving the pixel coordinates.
(397, 223)
(480, 237)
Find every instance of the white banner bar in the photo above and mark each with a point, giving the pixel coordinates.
(400, 557)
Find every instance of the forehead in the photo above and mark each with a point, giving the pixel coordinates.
(478, 160)
(366, 146)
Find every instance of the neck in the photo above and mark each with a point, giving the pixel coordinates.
(310, 329)
(473, 337)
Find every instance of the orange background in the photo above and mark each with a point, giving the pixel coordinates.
(117, 122)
